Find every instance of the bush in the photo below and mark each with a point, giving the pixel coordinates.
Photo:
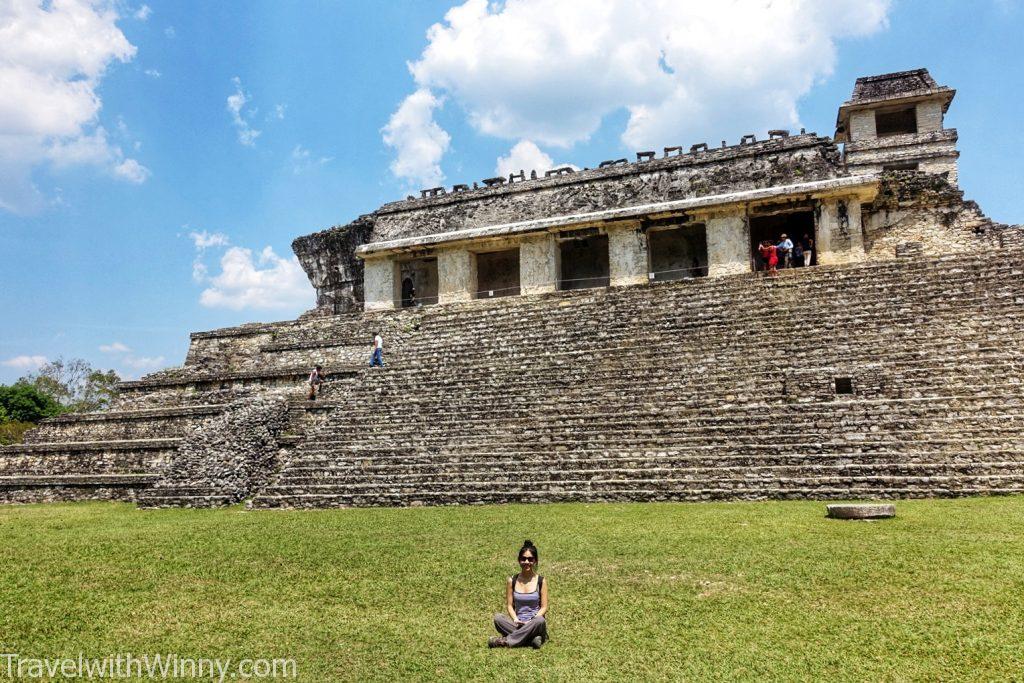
(12, 431)
(22, 402)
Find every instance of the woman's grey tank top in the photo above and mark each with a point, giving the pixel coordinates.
(526, 605)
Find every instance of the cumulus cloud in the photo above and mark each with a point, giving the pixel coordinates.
(170, 32)
(115, 347)
(132, 171)
(25, 362)
(143, 13)
(551, 73)
(418, 141)
(526, 156)
(53, 57)
(153, 73)
(236, 102)
(267, 281)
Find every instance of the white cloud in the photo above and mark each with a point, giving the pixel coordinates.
(236, 101)
(53, 57)
(115, 347)
(143, 13)
(153, 73)
(526, 156)
(25, 362)
(170, 32)
(132, 171)
(269, 282)
(204, 240)
(144, 362)
(683, 72)
(302, 160)
(418, 141)
(279, 111)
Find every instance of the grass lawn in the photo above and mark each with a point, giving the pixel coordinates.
(652, 592)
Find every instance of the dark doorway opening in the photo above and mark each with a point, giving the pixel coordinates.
(797, 226)
(584, 263)
(422, 277)
(678, 253)
(497, 274)
(896, 122)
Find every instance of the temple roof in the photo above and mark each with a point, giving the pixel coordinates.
(898, 84)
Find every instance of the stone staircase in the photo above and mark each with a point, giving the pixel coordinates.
(689, 390)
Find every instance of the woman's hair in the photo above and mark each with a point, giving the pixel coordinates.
(528, 545)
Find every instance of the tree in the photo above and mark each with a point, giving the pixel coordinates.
(22, 402)
(75, 384)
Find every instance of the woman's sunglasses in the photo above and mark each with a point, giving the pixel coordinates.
(527, 559)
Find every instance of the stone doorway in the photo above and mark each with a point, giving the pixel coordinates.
(421, 275)
(771, 227)
(584, 262)
(677, 252)
(497, 274)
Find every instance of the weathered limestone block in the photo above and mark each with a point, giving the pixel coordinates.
(929, 115)
(383, 284)
(627, 254)
(862, 126)
(840, 234)
(861, 510)
(456, 275)
(538, 265)
(728, 245)
(328, 257)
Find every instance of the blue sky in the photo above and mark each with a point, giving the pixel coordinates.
(156, 188)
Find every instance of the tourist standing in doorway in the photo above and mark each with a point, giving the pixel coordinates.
(769, 256)
(526, 603)
(378, 350)
(316, 378)
(785, 250)
(808, 246)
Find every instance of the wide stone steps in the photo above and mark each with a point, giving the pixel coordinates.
(121, 425)
(839, 488)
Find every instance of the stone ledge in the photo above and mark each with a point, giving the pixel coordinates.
(311, 344)
(75, 446)
(143, 414)
(861, 511)
(77, 480)
(297, 373)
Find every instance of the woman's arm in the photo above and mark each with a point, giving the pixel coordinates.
(508, 600)
(543, 600)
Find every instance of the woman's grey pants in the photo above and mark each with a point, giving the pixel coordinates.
(523, 634)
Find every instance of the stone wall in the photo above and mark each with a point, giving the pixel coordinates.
(328, 257)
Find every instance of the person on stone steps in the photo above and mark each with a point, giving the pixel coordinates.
(316, 378)
(526, 603)
(378, 350)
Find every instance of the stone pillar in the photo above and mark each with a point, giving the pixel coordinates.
(728, 239)
(840, 236)
(456, 275)
(539, 264)
(928, 115)
(382, 283)
(627, 254)
(862, 126)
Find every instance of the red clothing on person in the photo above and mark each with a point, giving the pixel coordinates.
(769, 254)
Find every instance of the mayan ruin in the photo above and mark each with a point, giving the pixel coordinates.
(613, 330)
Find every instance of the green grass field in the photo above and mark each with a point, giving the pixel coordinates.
(638, 592)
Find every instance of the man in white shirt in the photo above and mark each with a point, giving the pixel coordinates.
(378, 350)
(315, 379)
(785, 249)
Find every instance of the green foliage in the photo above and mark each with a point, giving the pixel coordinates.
(12, 431)
(23, 402)
(645, 592)
(75, 384)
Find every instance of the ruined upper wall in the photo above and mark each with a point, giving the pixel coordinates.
(702, 172)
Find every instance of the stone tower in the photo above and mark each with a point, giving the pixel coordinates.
(894, 122)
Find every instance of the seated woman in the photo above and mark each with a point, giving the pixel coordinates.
(526, 603)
